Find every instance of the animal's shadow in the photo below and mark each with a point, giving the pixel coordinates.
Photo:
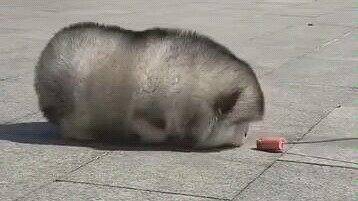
(48, 134)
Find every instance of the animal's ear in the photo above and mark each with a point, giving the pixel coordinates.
(250, 104)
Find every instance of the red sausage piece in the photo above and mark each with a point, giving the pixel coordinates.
(271, 143)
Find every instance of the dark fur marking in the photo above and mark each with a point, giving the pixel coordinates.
(158, 122)
(226, 103)
(51, 113)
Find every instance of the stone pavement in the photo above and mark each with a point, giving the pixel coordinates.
(309, 78)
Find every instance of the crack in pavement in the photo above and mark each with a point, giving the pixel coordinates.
(140, 189)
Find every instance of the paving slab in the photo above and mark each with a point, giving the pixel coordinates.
(301, 182)
(17, 97)
(319, 72)
(341, 123)
(13, 68)
(265, 59)
(240, 6)
(343, 18)
(85, 5)
(77, 191)
(28, 161)
(292, 109)
(19, 48)
(342, 49)
(303, 36)
(351, 100)
(176, 172)
(331, 6)
(308, 14)
(36, 117)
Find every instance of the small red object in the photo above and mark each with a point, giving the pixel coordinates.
(271, 143)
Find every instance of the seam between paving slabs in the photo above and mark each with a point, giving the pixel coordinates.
(315, 49)
(312, 127)
(253, 180)
(58, 177)
(318, 157)
(278, 159)
(317, 85)
(139, 189)
(317, 164)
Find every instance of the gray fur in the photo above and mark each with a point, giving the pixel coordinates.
(103, 82)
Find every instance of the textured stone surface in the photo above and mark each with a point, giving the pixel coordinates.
(17, 98)
(301, 182)
(314, 71)
(341, 123)
(186, 173)
(293, 108)
(26, 167)
(303, 36)
(75, 191)
(343, 49)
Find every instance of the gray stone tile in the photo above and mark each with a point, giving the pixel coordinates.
(341, 123)
(18, 54)
(293, 96)
(296, 11)
(17, 97)
(32, 117)
(330, 6)
(240, 6)
(41, 28)
(26, 167)
(301, 182)
(15, 68)
(315, 71)
(77, 191)
(351, 99)
(303, 36)
(66, 5)
(341, 49)
(292, 109)
(177, 172)
(265, 59)
(290, 2)
(17, 48)
(344, 18)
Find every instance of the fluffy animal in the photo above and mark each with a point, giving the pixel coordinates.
(101, 82)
